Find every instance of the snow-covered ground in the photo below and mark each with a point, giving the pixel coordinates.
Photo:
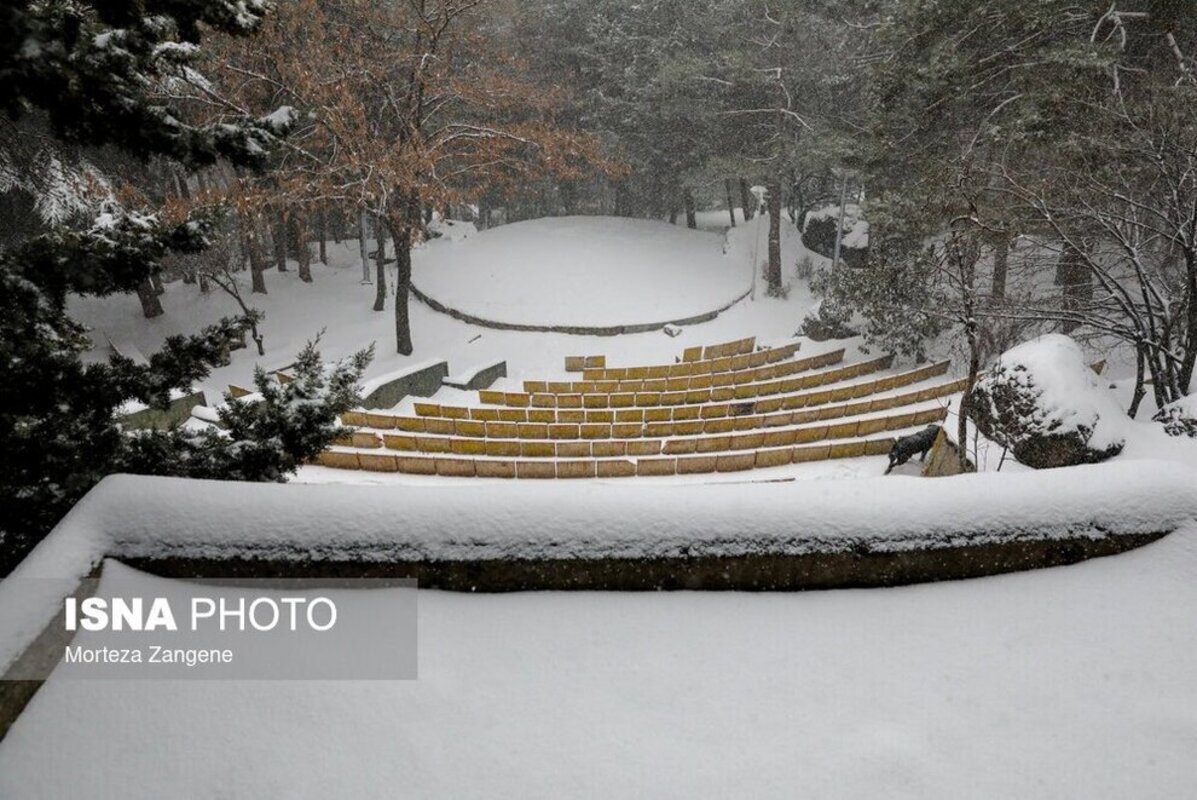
(584, 271)
(337, 303)
(1068, 682)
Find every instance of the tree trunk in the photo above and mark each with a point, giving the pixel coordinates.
(974, 369)
(189, 276)
(1140, 389)
(1159, 380)
(746, 200)
(322, 223)
(401, 230)
(796, 198)
(673, 216)
(156, 280)
(257, 264)
(483, 221)
(203, 282)
(731, 207)
(773, 268)
(568, 192)
(839, 224)
(622, 200)
(362, 247)
(380, 263)
(303, 251)
(967, 255)
(1001, 267)
(1077, 283)
(280, 241)
(1188, 341)
(688, 202)
(151, 306)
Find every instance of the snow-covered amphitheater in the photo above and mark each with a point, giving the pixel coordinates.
(599, 405)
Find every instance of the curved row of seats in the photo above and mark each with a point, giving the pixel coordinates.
(596, 366)
(545, 441)
(702, 380)
(779, 410)
(725, 423)
(738, 409)
(682, 369)
(727, 461)
(741, 391)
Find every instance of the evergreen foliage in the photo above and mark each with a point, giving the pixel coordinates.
(262, 438)
(93, 69)
(93, 66)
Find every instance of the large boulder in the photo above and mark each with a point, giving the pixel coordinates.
(1179, 418)
(818, 234)
(1043, 402)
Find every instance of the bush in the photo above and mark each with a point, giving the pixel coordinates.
(828, 322)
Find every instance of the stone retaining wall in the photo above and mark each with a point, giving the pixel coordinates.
(577, 330)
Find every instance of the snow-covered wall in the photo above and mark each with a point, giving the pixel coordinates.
(422, 379)
(157, 518)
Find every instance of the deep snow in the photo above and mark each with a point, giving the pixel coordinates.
(146, 516)
(1069, 682)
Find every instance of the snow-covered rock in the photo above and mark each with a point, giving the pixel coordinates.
(1179, 418)
(819, 233)
(1044, 403)
(450, 230)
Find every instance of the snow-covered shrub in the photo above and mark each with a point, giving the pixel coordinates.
(266, 435)
(829, 321)
(1043, 402)
(1179, 418)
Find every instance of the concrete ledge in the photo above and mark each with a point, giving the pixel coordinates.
(422, 380)
(476, 378)
(859, 566)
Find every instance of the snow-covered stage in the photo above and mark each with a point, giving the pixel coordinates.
(582, 274)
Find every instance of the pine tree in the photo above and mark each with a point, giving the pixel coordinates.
(89, 67)
(263, 437)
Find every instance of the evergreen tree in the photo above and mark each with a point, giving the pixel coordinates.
(92, 69)
(263, 437)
